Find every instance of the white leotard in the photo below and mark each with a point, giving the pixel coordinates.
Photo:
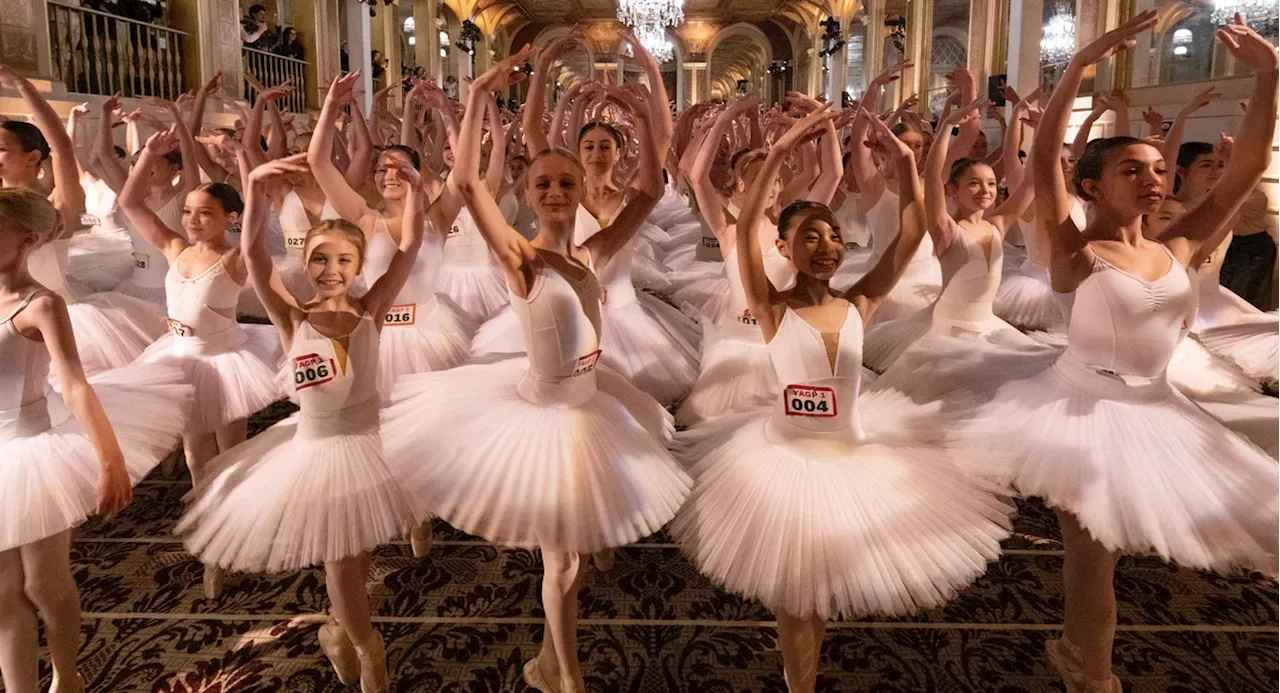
(561, 323)
(202, 308)
(817, 402)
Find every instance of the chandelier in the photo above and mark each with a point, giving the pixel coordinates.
(1058, 42)
(650, 19)
(654, 39)
(1262, 15)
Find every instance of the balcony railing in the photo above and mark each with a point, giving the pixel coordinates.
(98, 53)
(272, 70)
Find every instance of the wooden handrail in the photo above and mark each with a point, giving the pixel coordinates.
(272, 55)
(86, 10)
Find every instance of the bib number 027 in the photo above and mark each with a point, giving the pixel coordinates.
(807, 400)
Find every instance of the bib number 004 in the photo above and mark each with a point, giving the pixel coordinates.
(311, 370)
(401, 314)
(806, 400)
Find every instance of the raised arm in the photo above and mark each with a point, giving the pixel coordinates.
(497, 154)
(1204, 226)
(1121, 108)
(865, 171)
(535, 101)
(349, 204)
(569, 100)
(869, 292)
(823, 189)
(133, 198)
(196, 121)
(939, 224)
(68, 196)
(253, 126)
(359, 149)
(1173, 140)
(704, 191)
(1070, 259)
(186, 143)
(1085, 133)
(659, 102)
(971, 130)
(281, 306)
(109, 168)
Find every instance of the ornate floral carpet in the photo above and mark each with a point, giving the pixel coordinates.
(464, 619)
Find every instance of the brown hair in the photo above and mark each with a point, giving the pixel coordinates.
(30, 212)
(342, 227)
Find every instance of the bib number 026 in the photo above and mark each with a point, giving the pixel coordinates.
(806, 400)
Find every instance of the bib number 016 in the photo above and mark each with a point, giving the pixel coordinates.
(806, 400)
(401, 315)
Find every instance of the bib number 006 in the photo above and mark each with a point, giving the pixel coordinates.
(806, 400)
(311, 370)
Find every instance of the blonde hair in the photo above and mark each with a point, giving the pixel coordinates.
(561, 152)
(29, 212)
(342, 227)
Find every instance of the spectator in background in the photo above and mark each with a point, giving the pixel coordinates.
(258, 30)
(344, 60)
(289, 45)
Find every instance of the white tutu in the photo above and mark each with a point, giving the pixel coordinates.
(150, 294)
(305, 491)
(1144, 468)
(480, 291)
(886, 341)
(833, 530)
(1251, 344)
(917, 290)
(702, 292)
(578, 478)
(1220, 306)
(49, 470)
(1026, 299)
(439, 339)
(231, 381)
(113, 329)
(736, 375)
(100, 260)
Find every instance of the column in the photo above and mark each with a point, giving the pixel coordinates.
(24, 38)
(1026, 26)
(317, 24)
(358, 47)
(919, 51)
(392, 50)
(873, 48)
(427, 48)
(695, 85)
(838, 77)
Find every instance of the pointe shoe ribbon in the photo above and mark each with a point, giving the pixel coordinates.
(1064, 657)
(341, 653)
(373, 665)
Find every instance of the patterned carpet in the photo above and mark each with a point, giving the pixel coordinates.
(464, 619)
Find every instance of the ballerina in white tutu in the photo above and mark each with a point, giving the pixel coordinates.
(314, 489)
(64, 455)
(113, 328)
(1129, 463)
(646, 341)
(554, 451)
(970, 248)
(424, 331)
(825, 505)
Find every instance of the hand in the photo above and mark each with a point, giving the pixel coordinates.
(1112, 102)
(745, 104)
(1118, 39)
(214, 83)
(184, 101)
(80, 109)
(405, 172)
(343, 87)
(558, 47)
(163, 142)
(1032, 116)
(277, 92)
(296, 163)
(506, 72)
(114, 490)
(960, 77)
(803, 127)
(1226, 146)
(1009, 93)
(803, 102)
(638, 52)
(132, 116)
(110, 106)
(11, 79)
(1201, 100)
(1248, 47)
(1153, 119)
(890, 74)
(883, 139)
(962, 115)
(995, 114)
(160, 104)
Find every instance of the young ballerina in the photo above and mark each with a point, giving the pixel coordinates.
(232, 367)
(579, 449)
(63, 455)
(314, 489)
(423, 332)
(113, 328)
(1128, 463)
(826, 505)
(970, 248)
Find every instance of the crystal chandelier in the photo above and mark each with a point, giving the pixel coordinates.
(1262, 15)
(650, 19)
(654, 39)
(1058, 42)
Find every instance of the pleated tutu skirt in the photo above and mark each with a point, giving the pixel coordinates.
(837, 530)
(1145, 469)
(575, 477)
(113, 329)
(736, 375)
(439, 339)
(916, 290)
(49, 470)
(1220, 306)
(310, 489)
(100, 260)
(702, 292)
(1252, 344)
(233, 377)
(886, 341)
(480, 291)
(1026, 300)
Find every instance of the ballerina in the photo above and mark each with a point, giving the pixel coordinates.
(970, 245)
(314, 488)
(821, 506)
(581, 451)
(64, 455)
(426, 331)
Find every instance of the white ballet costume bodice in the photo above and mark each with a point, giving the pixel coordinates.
(24, 374)
(465, 245)
(885, 222)
(818, 404)
(335, 386)
(1208, 275)
(418, 293)
(560, 320)
(101, 213)
(853, 225)
(778, 268)
(617, 289)
(202, 309)
(969, 284)
(1122, 330)
(295, 223)
(48, 266)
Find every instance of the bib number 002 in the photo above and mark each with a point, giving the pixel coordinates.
(311, 370)
(806, 400)
(402, 314)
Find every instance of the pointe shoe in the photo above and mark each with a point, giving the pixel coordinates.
(213, 577)
(341, 653)
(1064, 657)
(372, 654)
(73, 685)
(603, 560)
(534, 679)
(421, 539)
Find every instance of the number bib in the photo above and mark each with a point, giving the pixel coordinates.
(401, 315)
(90, 220)
(850, 247)
(710, 243)
(454, 231)
(586, 364)
(141, 260)
(311, 370)
(747, 318)
(294, 240)
(178, 329)
(807, 400)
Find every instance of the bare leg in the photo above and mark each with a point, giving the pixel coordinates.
(801, 641)
(232, 435)
(562, 574)
(50, 586)
(349, 597)
(199, 449)
(1088, 574)
(19, 647)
